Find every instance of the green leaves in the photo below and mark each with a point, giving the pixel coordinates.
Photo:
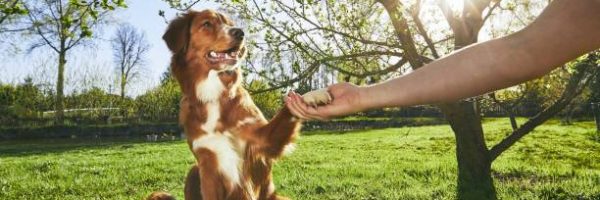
(305, 2)
(90, 9)
(95, 6)
(12, 7)
(67, 21)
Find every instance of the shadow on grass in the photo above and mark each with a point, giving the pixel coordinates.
(357, 131)
(594, 136)
(55, 146)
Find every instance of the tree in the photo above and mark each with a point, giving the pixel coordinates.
(129, 50)
(9, 8)
(595, 85)
(368, 41)
(61, 26)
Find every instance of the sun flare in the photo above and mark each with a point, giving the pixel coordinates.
(455, 5)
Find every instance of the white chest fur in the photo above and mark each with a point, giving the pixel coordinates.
(213, 114)
(228, 157)
(211, 88)
(225, 147)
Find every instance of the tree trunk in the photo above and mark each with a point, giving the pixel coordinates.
(596, 110)
(59, 108)
(567, 118)
(123, 83)
(474, 165)
(513, 120)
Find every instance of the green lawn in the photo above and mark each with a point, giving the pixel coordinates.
(554, 162)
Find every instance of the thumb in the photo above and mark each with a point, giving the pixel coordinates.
(323, 111)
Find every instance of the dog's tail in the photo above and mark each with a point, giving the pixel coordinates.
(160, 196)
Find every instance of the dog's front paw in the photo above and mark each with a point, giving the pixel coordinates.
(317, 97)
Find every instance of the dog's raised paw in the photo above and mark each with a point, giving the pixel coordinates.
(317, 97)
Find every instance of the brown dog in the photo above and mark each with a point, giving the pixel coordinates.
(233, 143)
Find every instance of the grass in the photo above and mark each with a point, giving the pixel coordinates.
(554, 162)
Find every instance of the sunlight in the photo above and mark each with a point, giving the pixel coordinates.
(455, 5)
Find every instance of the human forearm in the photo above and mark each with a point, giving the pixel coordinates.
(452, 77)
(499, 63)
(564, 31)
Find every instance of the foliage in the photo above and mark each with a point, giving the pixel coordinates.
(61, 26)
(93, 9)
(25, 100)
(594, 96)
(11, 8)
(95, 103)
(399, 163)
(74, 22)
(268, 102)
(160, 102)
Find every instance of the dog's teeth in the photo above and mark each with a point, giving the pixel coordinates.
(233, 54)
(213, 54)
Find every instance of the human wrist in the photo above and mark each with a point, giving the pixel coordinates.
(379, 96)
(365, 99)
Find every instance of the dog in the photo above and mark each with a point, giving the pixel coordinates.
(232, 142)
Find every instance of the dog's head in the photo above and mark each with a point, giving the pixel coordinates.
(211, 37)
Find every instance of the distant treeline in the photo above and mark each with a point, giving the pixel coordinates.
(26, 107)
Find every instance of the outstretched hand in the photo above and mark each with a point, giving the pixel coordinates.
(347, 99)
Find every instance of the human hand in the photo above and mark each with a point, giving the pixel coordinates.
(347, 99)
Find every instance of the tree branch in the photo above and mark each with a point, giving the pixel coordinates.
(491, 10)
(14, 3)
(386, 70)
(448, 14)
(309, 71)
(39, 31)
(403, 32)
(574, 87)
(421, 28)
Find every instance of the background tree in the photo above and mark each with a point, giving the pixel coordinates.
(10, 9)
(62, 25)
(594, 96)
(129, 47)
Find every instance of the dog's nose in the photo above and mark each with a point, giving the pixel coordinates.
(237, 33)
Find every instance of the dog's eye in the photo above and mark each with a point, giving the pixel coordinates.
(206, 24)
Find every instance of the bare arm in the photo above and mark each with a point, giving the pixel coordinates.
(565, 30)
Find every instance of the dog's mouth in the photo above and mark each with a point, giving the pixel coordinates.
(229, 56)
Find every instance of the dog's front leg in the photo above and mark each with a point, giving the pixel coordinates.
(212, 186)
(279, 132)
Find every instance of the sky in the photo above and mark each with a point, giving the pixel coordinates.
(96, 62)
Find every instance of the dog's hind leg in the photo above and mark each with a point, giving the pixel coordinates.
(192, 184)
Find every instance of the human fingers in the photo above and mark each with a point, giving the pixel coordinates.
(292, 107)
(296, 107)
(303, 108)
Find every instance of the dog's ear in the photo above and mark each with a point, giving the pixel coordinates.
(178, 33)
